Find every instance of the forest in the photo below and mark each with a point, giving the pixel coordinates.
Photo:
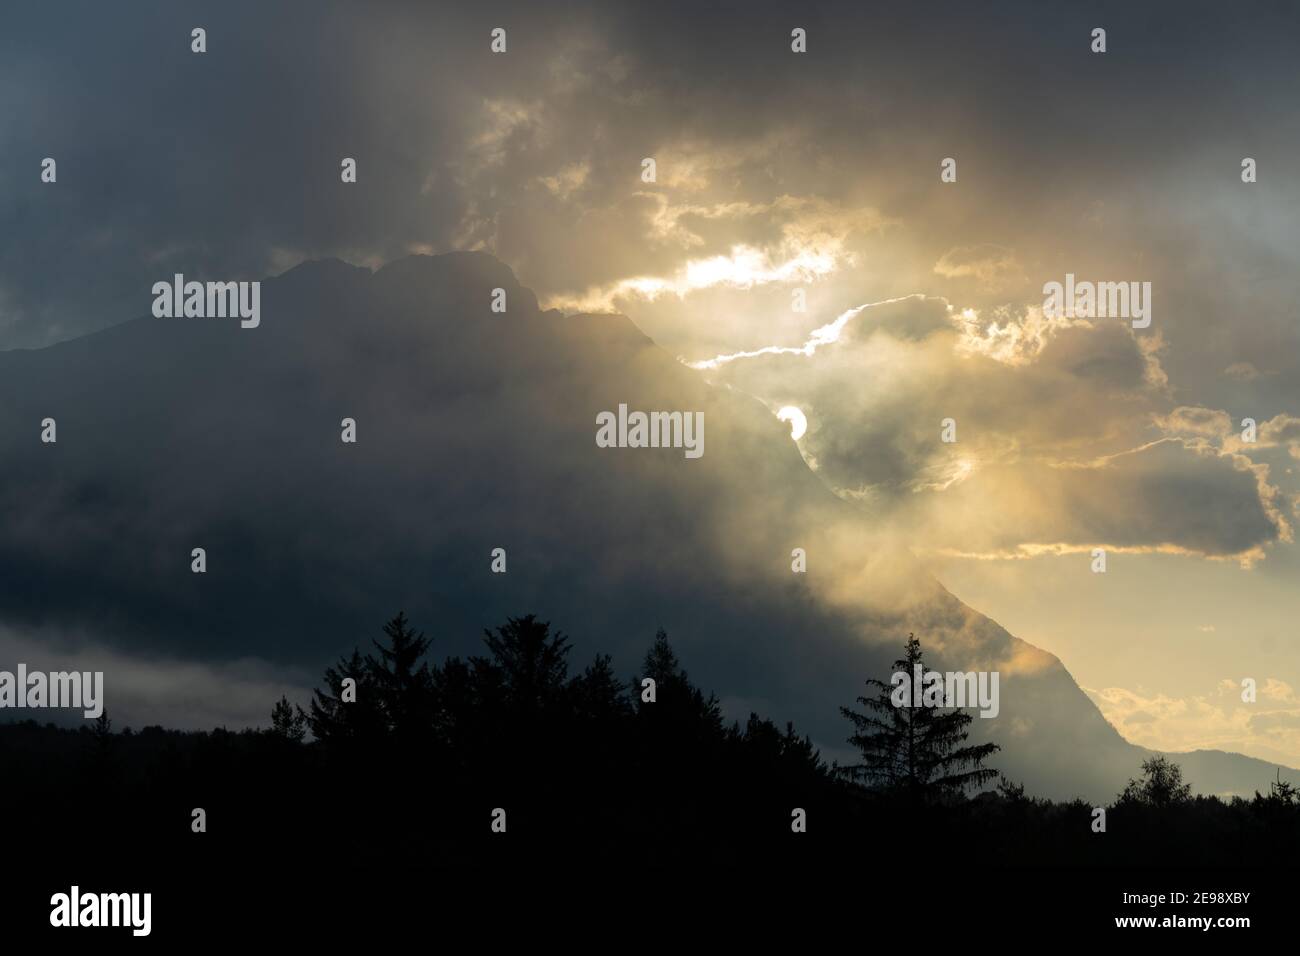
(516, 755)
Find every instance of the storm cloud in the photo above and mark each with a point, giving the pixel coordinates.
(777, 175)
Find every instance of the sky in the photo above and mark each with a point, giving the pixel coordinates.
(776, 173)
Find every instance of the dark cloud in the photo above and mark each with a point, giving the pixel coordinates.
(227, 163)
(775, 172)
(475, 431)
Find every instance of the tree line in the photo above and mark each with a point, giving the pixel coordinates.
(512, 756)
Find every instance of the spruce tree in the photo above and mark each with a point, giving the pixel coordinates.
(598, 694)
(679, 703)
(528, 666)
(919, 752)
(394, 691)
(287, 721)
(403, 684)
(334, 720)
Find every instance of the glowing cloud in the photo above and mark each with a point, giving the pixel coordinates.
(798, 421)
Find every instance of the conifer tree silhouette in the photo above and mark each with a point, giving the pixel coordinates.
(288, 722)
(403, 684)
(680, 705)
(682, 729)
(527, 670)
(782, 753)
(395, 692)
(587, 768)
(336, 721)
(598, 694)
(915, 751)
(521, 711)
(458, 720)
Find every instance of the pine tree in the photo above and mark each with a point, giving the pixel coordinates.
(916, 751)
(678, 701)
(598, 694)
(458, 720)
(288, 722)
(334, 720)
(799, 753)
(394, 692)
(601, 715)
(781, 754)
(402, 683)
(661, 662)
(682, 727)
(528, 666)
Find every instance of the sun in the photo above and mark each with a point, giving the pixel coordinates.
(798, 421)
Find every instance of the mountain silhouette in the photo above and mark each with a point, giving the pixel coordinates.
(475, 431)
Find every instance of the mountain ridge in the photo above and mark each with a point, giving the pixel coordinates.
(173, 431)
